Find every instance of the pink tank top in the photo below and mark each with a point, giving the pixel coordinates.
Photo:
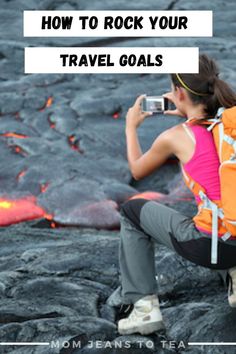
(204, 165)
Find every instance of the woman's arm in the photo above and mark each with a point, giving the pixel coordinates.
(140, 164)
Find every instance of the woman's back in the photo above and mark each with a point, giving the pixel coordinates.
(203, 167)
(201, 173)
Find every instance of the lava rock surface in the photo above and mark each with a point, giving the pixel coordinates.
(63, 286)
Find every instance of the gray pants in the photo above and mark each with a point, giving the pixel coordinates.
(143, 223)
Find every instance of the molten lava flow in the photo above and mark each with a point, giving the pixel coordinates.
(48, 103)
(13, 211)
(14, 135)
(149, 195)
(18, 150)
(73, 142)
(171, 198)
(49, 217)
(5, 204)
(17, 116)
(52, 124)
(116, 115)
(72, 139)
(21, 174)
(44, 187)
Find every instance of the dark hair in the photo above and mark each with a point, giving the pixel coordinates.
(215, 92)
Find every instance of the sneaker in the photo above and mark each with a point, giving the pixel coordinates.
(145, 318)
(232, 287)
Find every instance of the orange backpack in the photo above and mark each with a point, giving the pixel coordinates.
(220, 216)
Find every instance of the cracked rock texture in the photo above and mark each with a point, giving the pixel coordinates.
(68, 150)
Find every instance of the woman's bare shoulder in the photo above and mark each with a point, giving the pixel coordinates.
(174, 132)
(177, 140)
(180, 142)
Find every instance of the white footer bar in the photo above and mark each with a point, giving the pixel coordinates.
(211, 343)
(24, 343)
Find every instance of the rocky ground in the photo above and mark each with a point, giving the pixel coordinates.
(59, 286)
(62, 141)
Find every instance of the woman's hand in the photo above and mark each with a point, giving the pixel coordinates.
(135, 116)
(172, 112)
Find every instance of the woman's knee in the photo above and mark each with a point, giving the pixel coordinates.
(132, 209)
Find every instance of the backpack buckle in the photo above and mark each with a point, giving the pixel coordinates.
(233, 156)
(217, 118)
(219, 112)
(226, 236)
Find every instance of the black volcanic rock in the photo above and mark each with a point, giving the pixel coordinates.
(56, 285)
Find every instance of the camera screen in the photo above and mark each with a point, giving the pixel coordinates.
(154, 104)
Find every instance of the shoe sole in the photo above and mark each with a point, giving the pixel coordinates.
(147, 328)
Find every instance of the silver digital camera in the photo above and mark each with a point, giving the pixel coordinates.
(155, 104)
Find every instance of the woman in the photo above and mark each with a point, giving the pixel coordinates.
(197, 97)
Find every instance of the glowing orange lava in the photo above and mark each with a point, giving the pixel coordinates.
(48, 216)
(21, 174)
(73, 142)
(6, 204)
(52, 124)
(44, 187)
(48, 103)
(14, 135)
(18, 150)
(13, 211)
(71, 138)
(116, 115)
(149, 195)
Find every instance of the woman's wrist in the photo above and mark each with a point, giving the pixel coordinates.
(130, 127)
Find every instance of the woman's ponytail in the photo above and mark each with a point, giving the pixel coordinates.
(206, 88)
(224, 94)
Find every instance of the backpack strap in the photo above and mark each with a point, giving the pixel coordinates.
(221, 138)
(216, 212)
(188, 132)
(217, 118)
(192, 185)
(207, 203)
(230, 141)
